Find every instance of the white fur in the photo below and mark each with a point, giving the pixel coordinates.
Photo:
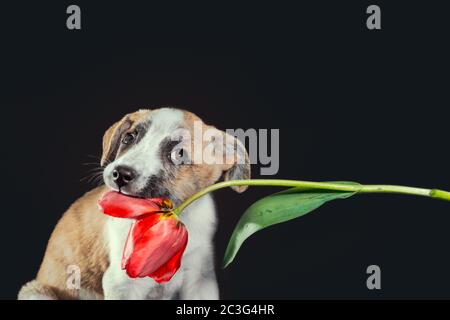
(196, 277)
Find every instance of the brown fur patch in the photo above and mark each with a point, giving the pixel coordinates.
(112, 136)
(77, 240)
(207, 174)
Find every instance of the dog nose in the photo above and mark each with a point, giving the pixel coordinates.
(122, 175)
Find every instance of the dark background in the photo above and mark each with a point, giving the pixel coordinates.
(351, 104)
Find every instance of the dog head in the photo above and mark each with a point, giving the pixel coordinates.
(158, 153)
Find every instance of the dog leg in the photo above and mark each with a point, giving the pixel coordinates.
(200, 283)
(34, 290)
(118, 286)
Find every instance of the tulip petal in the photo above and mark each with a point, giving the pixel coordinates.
(137, 231)
(156, 240)
(129, 246)
(139, 246)
(167, 271)
(121, 206)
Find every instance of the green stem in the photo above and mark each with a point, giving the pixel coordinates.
(433, 193)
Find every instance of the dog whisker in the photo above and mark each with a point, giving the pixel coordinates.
(94, 175)
(91, 164)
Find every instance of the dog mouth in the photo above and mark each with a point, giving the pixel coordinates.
(155, 195)
(151, 190)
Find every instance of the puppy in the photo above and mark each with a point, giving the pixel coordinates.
(140, 158)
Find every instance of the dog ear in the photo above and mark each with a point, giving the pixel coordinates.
(237, 162)
(111, 138)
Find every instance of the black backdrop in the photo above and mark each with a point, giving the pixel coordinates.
(351, 104)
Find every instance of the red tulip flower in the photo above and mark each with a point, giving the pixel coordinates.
(156, 240)
(118, 205)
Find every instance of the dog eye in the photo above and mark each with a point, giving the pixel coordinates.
(177, 155)
(129, 137)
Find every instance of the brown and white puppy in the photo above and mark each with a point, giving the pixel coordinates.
(141, 157)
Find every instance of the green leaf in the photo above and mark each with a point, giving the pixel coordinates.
(276, 208)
